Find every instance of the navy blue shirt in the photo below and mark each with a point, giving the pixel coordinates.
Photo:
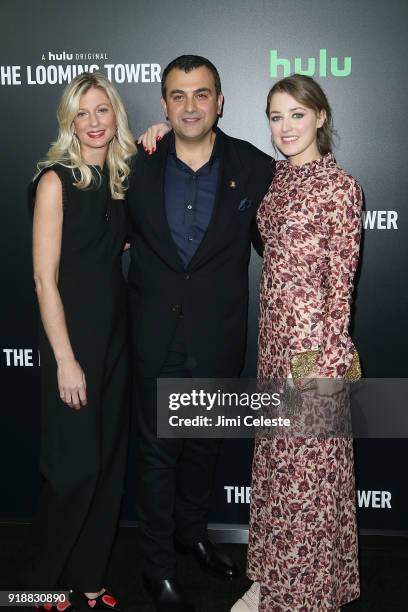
(189, 199)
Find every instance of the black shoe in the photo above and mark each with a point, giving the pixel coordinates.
(210, 559)
(167, 595)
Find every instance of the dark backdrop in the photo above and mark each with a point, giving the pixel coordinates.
(355, 48)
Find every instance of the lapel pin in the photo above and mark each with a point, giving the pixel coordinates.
(232, 184)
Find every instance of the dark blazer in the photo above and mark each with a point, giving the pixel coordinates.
(211, 294)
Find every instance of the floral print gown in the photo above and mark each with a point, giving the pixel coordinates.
(303, 537)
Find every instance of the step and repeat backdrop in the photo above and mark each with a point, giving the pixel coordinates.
(356, 49)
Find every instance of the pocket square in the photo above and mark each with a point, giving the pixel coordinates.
(245, 204)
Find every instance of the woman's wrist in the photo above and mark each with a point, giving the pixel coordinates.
(65, 358)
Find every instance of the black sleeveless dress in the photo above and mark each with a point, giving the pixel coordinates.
(83, 452)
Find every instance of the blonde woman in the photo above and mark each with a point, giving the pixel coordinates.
(78, 236)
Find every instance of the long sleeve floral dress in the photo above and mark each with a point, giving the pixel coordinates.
(303, 537)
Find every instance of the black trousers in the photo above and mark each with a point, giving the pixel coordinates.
(83, 461)
(174, 478)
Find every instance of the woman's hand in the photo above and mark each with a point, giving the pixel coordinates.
(71, 383)
(152, 135)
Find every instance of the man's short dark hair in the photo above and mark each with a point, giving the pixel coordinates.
(188, 63)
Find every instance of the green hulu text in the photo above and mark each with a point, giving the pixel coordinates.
(321, 66)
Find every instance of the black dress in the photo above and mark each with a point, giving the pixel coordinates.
(83, 452)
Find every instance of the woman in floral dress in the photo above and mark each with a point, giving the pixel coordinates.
(303, 539)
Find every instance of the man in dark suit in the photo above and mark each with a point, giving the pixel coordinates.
(192, 208)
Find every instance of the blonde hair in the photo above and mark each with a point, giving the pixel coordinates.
(66, 149)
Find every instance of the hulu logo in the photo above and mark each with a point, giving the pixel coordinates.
(319, 67)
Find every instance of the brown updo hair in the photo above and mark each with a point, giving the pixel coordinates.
(309, 93)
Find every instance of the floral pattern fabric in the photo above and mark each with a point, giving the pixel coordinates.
(303, 537)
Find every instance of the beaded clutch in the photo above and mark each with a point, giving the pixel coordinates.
(302, 364)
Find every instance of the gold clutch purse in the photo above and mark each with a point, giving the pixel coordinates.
(302, 364)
